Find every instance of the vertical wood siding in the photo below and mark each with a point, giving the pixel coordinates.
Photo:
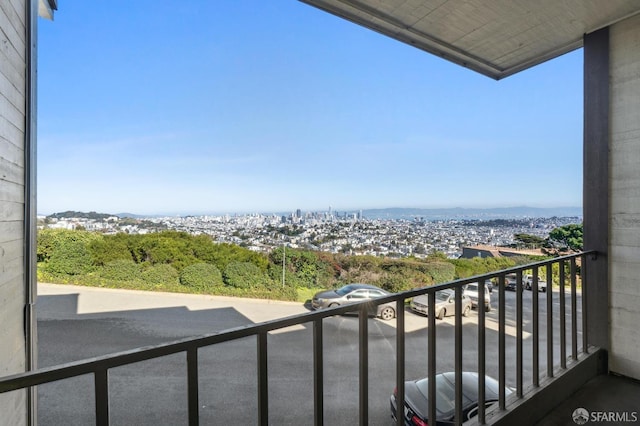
(625, 198)
(12, 190)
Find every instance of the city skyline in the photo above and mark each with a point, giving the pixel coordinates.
(202, 107)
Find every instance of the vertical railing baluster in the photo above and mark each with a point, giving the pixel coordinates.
(431, 371)
(400, 359)
(263, 380)
(363, 331)
(501, 339)
(192, 386)
(536, 334)
(318, 373)
(549, 294)
(101, 385)
(519, 350)
(482, 350)
(563, 320)
(585, 346)
(458, 355)
(574, 310)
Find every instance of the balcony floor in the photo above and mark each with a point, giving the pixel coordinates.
(604, 393)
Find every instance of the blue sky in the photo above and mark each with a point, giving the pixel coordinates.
(195, 106)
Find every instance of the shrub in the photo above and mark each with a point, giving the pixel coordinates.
(121, 270)
(201, 276)
(244, 275)
(68, 252)
(160, 274)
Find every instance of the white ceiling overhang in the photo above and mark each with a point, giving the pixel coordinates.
(494, 37)
(46, 8)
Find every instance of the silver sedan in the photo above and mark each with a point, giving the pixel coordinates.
(352, 293)
(445, 304)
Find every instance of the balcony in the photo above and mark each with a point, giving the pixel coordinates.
(531, 342)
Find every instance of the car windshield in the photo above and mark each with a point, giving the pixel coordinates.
(472, 287)
(342, 291)
(443, 295)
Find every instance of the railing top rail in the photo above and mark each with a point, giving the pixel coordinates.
(91, 365)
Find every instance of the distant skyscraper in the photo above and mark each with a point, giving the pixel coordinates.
(298, 213)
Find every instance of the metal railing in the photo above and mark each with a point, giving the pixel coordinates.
(99, 366)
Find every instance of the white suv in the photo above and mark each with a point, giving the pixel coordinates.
(471, 290)
(528, 283)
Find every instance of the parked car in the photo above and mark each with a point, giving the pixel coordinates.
(352, 293)
(511, 282)
(489, 285)
(471, 291)
(527, 280)
(417, 405)
(445, 304)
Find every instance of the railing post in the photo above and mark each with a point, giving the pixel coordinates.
(263, 382)
(549, 294)
(192, 386)
(431, 357)
(574, 310)
(519, 351)
(458, 354)
(101, 384)
(400, 359)
(585, 331)
(536, 333)
(363, 317)
(563, 320)
(481, 350)
(501, 339)
(318, 374)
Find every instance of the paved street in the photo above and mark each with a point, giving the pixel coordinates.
(80, 322)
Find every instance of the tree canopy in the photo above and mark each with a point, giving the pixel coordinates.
(567, 237)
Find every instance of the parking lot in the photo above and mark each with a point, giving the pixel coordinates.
(76, 323)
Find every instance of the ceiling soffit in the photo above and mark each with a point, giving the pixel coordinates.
(494, 37)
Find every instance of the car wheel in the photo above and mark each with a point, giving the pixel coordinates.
(441, 314)
(388, 313)
(333, 305)
(466, 311)
(487, 308)
(543, 289)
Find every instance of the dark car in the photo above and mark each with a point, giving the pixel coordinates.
(417, 407)
(352, 293)
(510, 283)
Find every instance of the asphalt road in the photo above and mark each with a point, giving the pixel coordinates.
(79, 322)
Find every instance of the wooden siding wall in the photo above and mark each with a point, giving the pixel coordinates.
(624, 169)
(12, 193)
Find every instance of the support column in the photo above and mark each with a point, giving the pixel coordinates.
(596, 184)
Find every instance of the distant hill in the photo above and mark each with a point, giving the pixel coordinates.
(90, 215)
(401, 213)
(470, 213)
(70, 214)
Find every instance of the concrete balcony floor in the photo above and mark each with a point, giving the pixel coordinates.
(600, 396)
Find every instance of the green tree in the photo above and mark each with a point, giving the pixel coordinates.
(66, 252)
(109, 248)
(567, 237)
(531, 241)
